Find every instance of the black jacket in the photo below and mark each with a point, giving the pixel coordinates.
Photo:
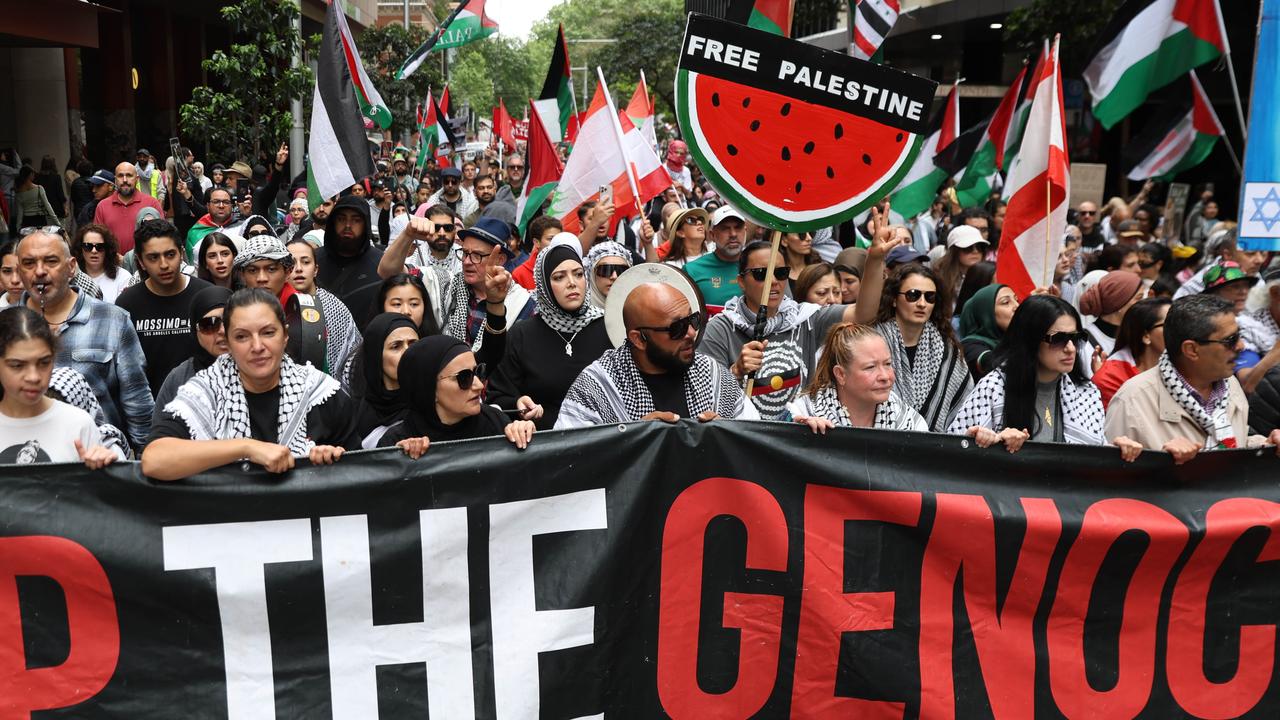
(348, 276)
(1264, 404)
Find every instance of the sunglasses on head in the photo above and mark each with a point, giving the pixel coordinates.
(930, 296)
(1060, 339)
(47, 229)
(678, 329)
(607, 270)
(94, 247)
(467, 377)
(209, 325)
(781, 272)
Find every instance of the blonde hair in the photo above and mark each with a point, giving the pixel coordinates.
(837, 351)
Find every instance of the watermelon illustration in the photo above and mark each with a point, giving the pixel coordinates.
(787, 162)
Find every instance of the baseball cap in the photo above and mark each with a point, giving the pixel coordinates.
(143, 151)
(451, 172)
(904, 254)
(102, 177)
(725, 212)
(964, 236)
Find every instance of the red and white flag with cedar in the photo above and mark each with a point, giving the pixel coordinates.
(1036, 217)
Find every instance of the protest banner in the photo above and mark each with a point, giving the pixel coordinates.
(696, 570)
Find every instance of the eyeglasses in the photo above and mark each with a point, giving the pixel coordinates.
(930, 296)
(47, 230)
(94, 247)
(1228, 342)
(607, 270)
(678, 329)
(475, 257)
(451, 181)
(468, 377)
(976, 247)
(1147, 264)
(515, 167)
(1060, 339)
(209, 325)
(219, 202)
(758, 273)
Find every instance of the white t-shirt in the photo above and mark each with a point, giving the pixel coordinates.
(110, 288)
(47, 437)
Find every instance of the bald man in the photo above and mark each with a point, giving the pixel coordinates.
(120, 209)
(655, 374)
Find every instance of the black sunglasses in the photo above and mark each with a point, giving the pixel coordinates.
(678, 329)
(606, 270)
(447, 227)
(1060, 339)
(758, 274)
(930, 296)
(1228, 342)
(94, 247)
(465, 378)
(209, 325)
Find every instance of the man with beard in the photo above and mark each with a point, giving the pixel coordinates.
(655, 374)
(160, 305)
(408, 252)
(716, 273)
(400, 166)
(119, 211)
(452, 194)
(348, 260)
(486, 190)
(218, 218)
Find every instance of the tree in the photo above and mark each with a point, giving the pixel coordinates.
(493, 68)
(249, 112)
(1078, 23)
(648, 40)
(383, 50)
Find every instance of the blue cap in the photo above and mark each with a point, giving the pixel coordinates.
(102, 177)
(904, 254)
(491, 230)
(451, 172)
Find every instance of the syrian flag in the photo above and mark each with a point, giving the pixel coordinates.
(1178, 143)
(640, 111)
(338, 150)
(470, 24)
(555, 104)
(916, 191)
(982, 169)
(1147, 45)
(1036, 217)
(503, 126)
(873, 19)
(544, 171)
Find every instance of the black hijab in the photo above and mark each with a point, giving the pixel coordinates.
(380, 406)
(419, 367)
(210, 298)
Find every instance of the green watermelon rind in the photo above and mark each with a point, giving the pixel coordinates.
(753, 207)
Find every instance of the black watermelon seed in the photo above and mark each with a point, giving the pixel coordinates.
(786, 153)
(808, 148)
(798, 187)
(831, 173)
(732, 150)
(746, 102)
(786, 109)
(839, 131)
(759, 179)
(866, 159)
(715, 99)
(899, 138)
(755, 125)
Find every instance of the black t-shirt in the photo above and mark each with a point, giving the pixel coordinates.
(1093, 238)
(667, 390)
(163, 324)
(332, 422)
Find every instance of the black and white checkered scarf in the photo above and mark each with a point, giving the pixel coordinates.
(938, 379)
(610, 390)
(890, 415)
(1215, 422)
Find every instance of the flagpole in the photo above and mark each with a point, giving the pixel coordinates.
(431, 41)
(617, 133)
(1231, 72)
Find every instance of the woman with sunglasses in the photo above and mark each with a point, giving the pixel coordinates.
(210, 343)
(545, 354)
(913, 317)
(443, 388)
(1038, 390)
(215, 259)
(253, 403)
(1139, 344)
(686, 237)
(95, 249)
(798, 253)
(603, 264)
(966, 247)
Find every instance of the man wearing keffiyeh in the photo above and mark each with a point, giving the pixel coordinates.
(1189, 401)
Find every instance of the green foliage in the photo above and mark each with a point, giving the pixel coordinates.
(496, 67)
(1079, 24)
(383, 50)
(247, 115)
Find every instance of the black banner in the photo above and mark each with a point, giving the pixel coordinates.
(806, 72)
(690, 571)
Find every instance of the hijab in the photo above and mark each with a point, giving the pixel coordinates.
(978, 318)
(598, 251)
(210, 298)
(380, 406)
(549, 308)
(420, 366)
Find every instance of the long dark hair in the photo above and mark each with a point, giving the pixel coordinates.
(940, 318)
(1018, 357)
(428, 325)
(110, 258)
(210, 240)
(978, 277)
(18, 323)
(1138, 321)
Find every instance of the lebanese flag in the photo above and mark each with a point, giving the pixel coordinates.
(544, 171)
(1147, 45)
(1181, 141)
(646, 166)
(1036, 217)
(503, 126)
(640, 110)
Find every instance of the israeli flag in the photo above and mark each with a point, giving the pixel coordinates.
(1260, 192)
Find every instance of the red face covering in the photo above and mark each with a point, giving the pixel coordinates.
(676, 153)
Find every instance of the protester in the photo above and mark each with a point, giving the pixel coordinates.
(852, 386)
(686, 237)
(10, 278)
(440, 239)
(119, 211)
(404, 294)
(542, 230)
(1260, 332)
(1118, 257)
(1104, 305)
(603, 265)
(797, 254)
(546, 354)
(348, 261)
(1189, 401)
(716, 273)
(215, 259)
(849, 263)
(451, 194)
(655, 374)
(1222, 246)
(1139, 344)
(209, 342)
(386, 338)
(443, 388)
(253, 403)
(1229, 282)
(1091, 235)
(983, 323)
(819, 284)
(483, 296)
(97, 254)
(966, 247)
(977, 277)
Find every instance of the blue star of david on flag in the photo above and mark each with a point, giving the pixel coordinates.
(1260, 209)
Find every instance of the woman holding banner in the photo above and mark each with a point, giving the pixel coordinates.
(386, 338)
(253, 403)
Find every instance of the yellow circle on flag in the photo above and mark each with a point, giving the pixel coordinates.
(310, 315)
(776, 382)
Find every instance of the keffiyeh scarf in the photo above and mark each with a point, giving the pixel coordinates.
(549, 310)
(343, 336)
(610, 390)
(790, 314)
(1083, 419)
(212, 403)
(459, 310)
(937, 380)
(890, 415)
(1215, 422)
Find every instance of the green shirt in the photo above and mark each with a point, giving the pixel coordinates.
(716, 278)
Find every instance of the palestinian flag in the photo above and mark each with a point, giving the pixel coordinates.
(470, 24)
(982, 170)
(1181, 140)
(919, 187)
(543, 173)
(555, 104)
(1147, 45)
(338, 150)
(437, 135)
(371, 105)
(771, 16)
(640, 110)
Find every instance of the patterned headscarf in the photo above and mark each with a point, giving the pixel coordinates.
(605, 249)
(549, 309)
